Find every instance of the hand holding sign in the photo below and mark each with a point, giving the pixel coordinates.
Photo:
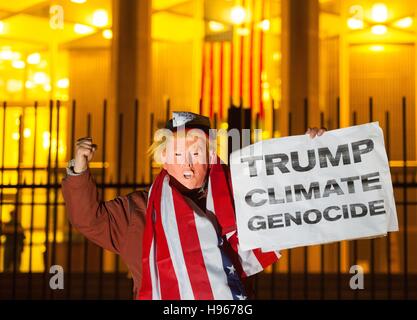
(297, 191)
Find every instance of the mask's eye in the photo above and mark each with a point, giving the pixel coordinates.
(178, 154)
(195, 154)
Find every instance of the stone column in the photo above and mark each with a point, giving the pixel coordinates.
(300, 46)
(131, 64)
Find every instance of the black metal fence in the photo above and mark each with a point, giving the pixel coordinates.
(37, 235)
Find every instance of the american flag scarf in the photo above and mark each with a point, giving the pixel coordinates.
(184, 255)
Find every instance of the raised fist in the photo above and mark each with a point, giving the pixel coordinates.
(84, 152)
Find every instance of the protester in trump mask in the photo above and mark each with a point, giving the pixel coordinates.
(179, 241)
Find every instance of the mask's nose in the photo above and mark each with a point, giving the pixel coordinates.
(189, 160)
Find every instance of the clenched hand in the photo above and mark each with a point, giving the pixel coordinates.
(84, 152)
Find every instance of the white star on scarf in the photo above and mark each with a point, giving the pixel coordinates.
(231, 269)
(241, 297)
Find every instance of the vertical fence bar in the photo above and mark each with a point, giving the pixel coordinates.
(168, 110)
(215, 120)
(2, 166)
(103, 192)
(273, 267)
(371, 117)
(306, 124)
(17, 217)
(322, 247)
(355, 242)
(388, 147)
(135, 144)
(339, 243)
(273, 116)
(69, 242)
(86, 244)
(242, 118)
(256, 138)
(289, 271)
(119, 177)
(55, 205)
(272, 282)
(135, 151)
(32, 204)
(338, 112)
(48, 187)
(405, 198)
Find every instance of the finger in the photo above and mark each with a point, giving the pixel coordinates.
(84, 138)
(308, 130)
(313, 132)
(89, 141)
(321, 131)
(85, 150)
(84, 141)
(85, 145)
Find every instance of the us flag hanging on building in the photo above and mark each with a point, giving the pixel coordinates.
(234, 63)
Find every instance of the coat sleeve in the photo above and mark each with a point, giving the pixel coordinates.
(103, 222)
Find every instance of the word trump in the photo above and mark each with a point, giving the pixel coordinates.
(324, 155)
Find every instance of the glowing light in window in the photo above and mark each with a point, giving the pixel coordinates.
(82, 29)
(34, 58)
(276, 56)
(14, 85)
(265, 25)
(376, 48)
(242, 31)
(18, 64)
(6, 54)
(404, 22)
(40, 78)
(379, 12)
(63, 83)
(107, 34)
(216, 26)
(379, 29)
(238, 15)
(265, 95)
(355, 24)
(26, 132)
(29, 84)
(45, 139)
(100, 18)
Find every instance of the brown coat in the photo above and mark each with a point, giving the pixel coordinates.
(116, 225)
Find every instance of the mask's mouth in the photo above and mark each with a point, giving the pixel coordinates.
(188, 174)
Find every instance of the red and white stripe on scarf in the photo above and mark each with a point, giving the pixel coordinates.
(181, 256)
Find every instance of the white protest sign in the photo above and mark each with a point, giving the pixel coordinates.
(297, 191)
